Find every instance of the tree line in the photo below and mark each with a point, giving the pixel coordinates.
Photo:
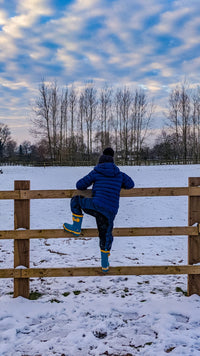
(75, 124)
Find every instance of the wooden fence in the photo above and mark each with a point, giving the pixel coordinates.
(22, 235)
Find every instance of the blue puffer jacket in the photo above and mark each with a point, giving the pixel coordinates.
(107, 182)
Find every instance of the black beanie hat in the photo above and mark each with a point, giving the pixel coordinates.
(108, 152)
(105, 158)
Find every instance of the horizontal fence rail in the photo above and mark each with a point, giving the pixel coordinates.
(124, 231)
(69, 193)
(22, 235)
(96, 271)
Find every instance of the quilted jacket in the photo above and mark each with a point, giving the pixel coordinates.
(107, 180)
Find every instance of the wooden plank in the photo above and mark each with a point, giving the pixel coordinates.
(10, 273)
(96, 271)
(21, 247)
(69, 193)
(41, 194)
(9, 194)
(155, 231)
(53, 194)
(152, 192)
(194, 191)
(193, 241)
(135, 192)
(124, 231)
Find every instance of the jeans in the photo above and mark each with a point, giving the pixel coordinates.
(104, 219)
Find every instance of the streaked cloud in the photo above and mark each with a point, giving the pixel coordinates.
(27, 14)
(152, 44)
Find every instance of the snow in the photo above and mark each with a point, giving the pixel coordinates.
(109, 315)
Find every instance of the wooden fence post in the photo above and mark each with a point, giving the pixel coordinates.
(193, 241)
(21, 247)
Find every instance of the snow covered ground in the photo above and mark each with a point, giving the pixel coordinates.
(80, 316)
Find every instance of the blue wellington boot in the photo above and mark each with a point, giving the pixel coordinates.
(104, 260)
(75, 229)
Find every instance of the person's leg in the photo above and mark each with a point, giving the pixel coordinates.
(109, 235)
(108, 238)
(77, 217)
(75, 205)
(78, 204)
(103, 224)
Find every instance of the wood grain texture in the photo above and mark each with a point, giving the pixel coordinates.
(193, 241)
(96, 271)
(21, 247)
(92, 232)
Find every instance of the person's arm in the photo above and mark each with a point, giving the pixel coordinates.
(86, 181)
(127, 182)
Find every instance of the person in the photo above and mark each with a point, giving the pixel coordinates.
(107, 180)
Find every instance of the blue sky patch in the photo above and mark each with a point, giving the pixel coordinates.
(152, 44)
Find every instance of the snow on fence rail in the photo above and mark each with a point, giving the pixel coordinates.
(22, 195)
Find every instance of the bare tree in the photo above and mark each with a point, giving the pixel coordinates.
(179, 115)
(196, 124)
(26, 147)
(42, 121)
(81, 116)
(90, 111)
(72, 113)
(63, 122)
(65, 105)
(5, 136)
(105, 103)
(10, 148)
(184, 110)
(54, 110)
(117, 120)
(63, 118)
(125, 108)
(142, 111)
(173, 116)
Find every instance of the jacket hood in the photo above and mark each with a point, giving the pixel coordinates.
(108, 169)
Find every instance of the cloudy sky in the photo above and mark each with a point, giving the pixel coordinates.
(153, 44)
